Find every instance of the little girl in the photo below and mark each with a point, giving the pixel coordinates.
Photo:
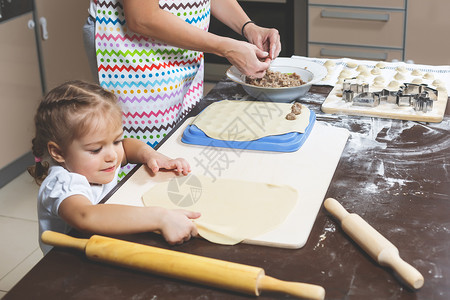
(79, 150)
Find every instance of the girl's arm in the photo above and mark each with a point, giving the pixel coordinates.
(112, 219)
(137, 151)
(147, 18)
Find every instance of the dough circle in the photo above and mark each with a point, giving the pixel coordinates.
(231, 210)
(235, 120)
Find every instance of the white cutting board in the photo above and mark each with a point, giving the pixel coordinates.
(309, 170)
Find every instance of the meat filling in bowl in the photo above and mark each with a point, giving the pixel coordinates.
(276, 79)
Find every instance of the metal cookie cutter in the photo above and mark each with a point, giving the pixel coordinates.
(418, 96)
(387, 96)
(351, 88)
(366, 99)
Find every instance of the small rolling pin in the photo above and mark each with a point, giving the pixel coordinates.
(198, 269)
(376, 245)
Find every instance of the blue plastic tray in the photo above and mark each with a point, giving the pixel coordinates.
(288, 142)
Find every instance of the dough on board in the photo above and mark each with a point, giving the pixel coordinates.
(235, 120)
(231, 210)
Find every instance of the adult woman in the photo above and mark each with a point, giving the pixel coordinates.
(150, 54)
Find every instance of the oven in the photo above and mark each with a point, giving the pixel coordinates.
(289, 17)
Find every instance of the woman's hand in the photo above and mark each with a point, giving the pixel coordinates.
(247, 58)
(266, 39)
(177, 226)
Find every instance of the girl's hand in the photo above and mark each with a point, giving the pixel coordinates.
(159, 161)
(177, 227)
(266, 39)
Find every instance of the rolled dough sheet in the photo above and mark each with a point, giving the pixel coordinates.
(232, 210)
(235, 120)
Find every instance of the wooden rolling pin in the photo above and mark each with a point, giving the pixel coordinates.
(376, 245)
(189, 267)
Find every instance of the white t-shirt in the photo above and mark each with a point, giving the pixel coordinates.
(59, 185)
(93, 8)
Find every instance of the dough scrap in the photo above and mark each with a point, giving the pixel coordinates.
(429, 76)
(351, 64)
(329, 63)
(232, 210)
(379, 79)
(234, 120)
(416, 72)
(376, 71)
(399, 76)
(417, 80)
(381, 65)
(437, 82)
(401, 69)
(364, 73)
(394, 85)
(361, 68)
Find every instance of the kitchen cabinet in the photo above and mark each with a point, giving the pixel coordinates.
(408, 30)
(357, 29)
(63, 54)
(41, 47)
(20, 87)
(427, 37)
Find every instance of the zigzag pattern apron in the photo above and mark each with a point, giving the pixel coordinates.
(156, 84)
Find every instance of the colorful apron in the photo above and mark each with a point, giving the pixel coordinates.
(156, 84)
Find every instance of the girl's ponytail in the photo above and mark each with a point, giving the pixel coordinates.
(40, 169)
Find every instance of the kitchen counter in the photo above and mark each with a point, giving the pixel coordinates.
(395, 174)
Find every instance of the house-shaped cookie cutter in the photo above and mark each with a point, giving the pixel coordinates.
(418, 96)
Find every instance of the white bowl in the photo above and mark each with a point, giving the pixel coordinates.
(309, 71)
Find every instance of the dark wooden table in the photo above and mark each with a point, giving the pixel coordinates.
(394, 174)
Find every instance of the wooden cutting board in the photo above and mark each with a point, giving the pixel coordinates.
(334, 104)
(437, 77)
(309, 170)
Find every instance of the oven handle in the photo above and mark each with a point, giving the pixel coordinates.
(354, 16)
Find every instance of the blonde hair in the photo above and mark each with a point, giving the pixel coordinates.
(67, 112)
